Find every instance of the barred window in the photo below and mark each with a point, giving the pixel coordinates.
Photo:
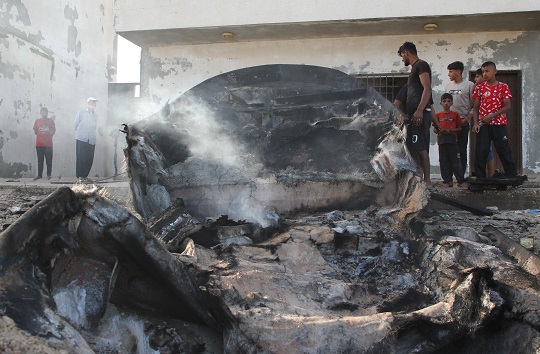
(387, 85)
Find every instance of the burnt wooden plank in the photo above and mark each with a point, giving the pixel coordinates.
(476, 210)
(524, 258)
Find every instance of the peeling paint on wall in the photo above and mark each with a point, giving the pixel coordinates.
(22, 108)
(21, 11)
(42, 63)
(442, 43)
(14, 169)
(163, 68)
(72, 44)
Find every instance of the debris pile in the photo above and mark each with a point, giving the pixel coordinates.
(248, 253)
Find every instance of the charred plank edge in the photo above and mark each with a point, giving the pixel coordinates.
(527, 260)
(476, 210)
(36, 222)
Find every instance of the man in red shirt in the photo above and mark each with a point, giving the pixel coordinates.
(44, 129)
(491, 103)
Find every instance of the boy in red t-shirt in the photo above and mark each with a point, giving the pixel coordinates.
(44, 129)
(491, 103)
(449, 159)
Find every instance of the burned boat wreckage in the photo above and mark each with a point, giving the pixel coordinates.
(276, 212)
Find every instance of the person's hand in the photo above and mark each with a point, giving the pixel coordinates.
(417, 117)
(488, 118)
(476, 128)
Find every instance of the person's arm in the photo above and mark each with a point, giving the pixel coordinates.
(459, 123)
(434, 119)
(476, 127)
(471, 105)
(505, 108)
(426, 94)
(35, 127)
(52, 128)
(77, 120)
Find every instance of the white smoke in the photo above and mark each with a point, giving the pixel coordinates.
(119, 333)
(211, 141)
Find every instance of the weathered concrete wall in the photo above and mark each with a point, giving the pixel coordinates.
(52, 54)
(170, 70)
(135, 15)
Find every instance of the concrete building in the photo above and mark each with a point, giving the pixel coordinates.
(53, 54)
(57, 54)
(187, 42)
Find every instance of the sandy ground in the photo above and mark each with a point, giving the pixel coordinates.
(19, 195)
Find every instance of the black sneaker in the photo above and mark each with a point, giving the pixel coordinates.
(498, 174)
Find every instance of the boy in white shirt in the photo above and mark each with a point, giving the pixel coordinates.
(461, 91)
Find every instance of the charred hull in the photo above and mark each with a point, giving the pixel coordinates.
(284, 137)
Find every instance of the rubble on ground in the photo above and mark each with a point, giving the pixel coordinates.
(341, 280)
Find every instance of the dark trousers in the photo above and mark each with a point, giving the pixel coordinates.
(44, 152)
(463, 141)
(450, 163)
(497, 134)
(85, 158)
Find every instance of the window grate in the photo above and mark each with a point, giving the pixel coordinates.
(387, 85)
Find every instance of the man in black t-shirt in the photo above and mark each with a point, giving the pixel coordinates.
(418, 109)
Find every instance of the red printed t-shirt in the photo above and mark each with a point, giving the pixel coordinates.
(492, 99)
(448, 120)
(44, 129)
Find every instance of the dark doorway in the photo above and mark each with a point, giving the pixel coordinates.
(513, 79)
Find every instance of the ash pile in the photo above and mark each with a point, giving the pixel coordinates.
(292, 224)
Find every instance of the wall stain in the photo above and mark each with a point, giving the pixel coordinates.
(8, 70)
(366, 65)
(70, 14)
(36, 38)
(436, 79)
(22, 13)
(22, 106)
(442, 43)
(10, 170)
(348, 69)
(72, 44)
(155, 66)
(184, 63)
